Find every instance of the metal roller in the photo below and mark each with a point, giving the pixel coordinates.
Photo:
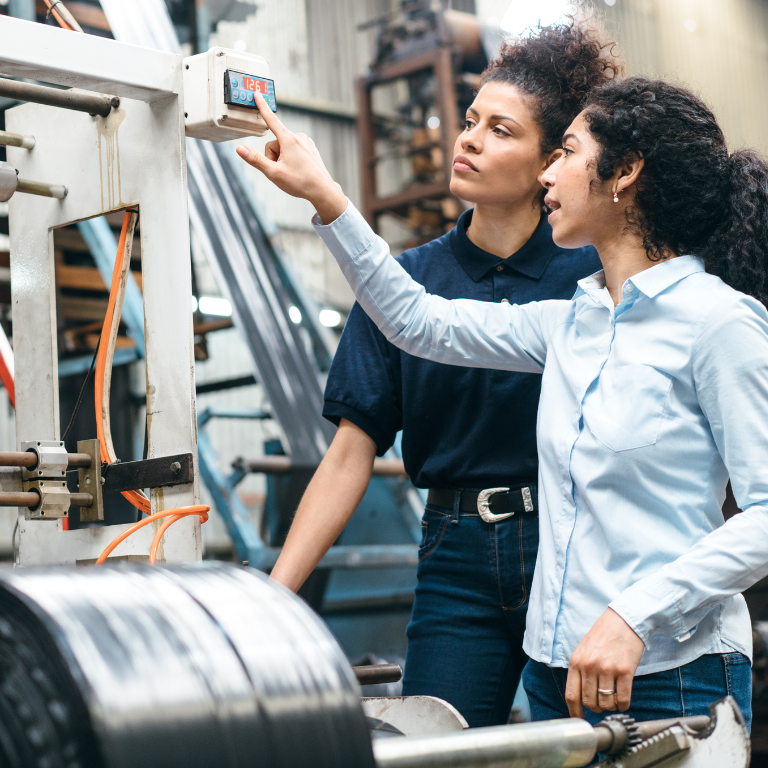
(141, 667)
(134, 666)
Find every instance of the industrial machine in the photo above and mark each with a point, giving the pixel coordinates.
(123, 150)
(139, 667)
(185, 663)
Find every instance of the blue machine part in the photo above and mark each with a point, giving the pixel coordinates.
(245, 538)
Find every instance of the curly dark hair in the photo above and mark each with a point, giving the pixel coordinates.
(557, 67)
(692, 196)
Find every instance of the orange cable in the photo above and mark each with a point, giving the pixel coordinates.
(134, 498)
(159, 535)
(63, 24)
(178, 512)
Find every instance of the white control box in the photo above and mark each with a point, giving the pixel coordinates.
(219, 89)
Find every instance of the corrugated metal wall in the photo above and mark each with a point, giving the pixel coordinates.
(315, 52)
(719, 48)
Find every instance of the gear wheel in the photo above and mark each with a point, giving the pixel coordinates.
(633, 732)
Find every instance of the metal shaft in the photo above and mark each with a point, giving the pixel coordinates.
(92, 103)
(279, 465)
(32, 499)
(28, 459)
(551, 744)
(11, 499)
(16, 140)
(41, 188)
(373, 674)
(79, 461)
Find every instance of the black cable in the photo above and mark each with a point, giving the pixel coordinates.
(82, 392)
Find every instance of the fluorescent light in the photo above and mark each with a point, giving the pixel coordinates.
(330, 318)
(433, 122)
(523, 14)
(215, 305)
(295, 314)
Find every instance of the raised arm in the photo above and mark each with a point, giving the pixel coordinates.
(460, 332)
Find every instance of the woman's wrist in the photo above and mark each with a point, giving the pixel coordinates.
(330, 202)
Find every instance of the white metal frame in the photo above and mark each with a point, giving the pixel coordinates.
(135, 156)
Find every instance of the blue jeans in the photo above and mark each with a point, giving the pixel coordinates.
(679, 692)
(466, 631)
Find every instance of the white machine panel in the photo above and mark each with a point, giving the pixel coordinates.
(210, 112)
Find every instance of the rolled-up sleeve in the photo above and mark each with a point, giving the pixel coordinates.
(730, 372)
(474, 334)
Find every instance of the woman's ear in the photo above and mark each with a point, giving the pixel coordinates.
(548, 160)
(628, 172)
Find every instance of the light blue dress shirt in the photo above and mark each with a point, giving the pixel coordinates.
(645, 411)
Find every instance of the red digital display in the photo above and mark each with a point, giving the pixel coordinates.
(251, 84)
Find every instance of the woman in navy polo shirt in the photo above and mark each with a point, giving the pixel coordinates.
(461, 438)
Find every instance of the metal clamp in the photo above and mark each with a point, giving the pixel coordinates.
(54, 499)
(484, 505)
(89, 481)
(52, 459)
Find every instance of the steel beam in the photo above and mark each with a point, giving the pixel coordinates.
(43, 52)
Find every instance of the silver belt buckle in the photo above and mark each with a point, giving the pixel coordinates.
(483, 505)
(527, 499)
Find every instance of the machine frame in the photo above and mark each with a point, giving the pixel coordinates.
(134, 157)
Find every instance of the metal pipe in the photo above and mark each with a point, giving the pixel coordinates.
(41, 188)
(32, 499)
(353, 557)
(18, 459)
(28, 459)
(551, 744)
(16, 140)
(280, 465)
(652, 727)
(19, 499)
(373, 674)
(92, 103)
(79, 460)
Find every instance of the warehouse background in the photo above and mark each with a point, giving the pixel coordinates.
(316, 50)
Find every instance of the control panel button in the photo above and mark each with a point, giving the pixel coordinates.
(240, 89)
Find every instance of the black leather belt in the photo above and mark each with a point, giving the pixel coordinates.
(493, 504)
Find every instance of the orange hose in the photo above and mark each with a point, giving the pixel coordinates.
(177, 513)
(134, 498)
(63, 24)
(161, 531)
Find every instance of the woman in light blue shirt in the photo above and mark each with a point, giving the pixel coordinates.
(654, 392)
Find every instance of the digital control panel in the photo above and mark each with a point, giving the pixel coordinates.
(239, 89)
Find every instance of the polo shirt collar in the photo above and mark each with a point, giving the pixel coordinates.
(531, 260)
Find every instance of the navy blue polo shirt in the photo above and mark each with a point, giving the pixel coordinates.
(462, 427)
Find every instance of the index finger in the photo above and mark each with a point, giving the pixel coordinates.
(573, 692)
(270, 118)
